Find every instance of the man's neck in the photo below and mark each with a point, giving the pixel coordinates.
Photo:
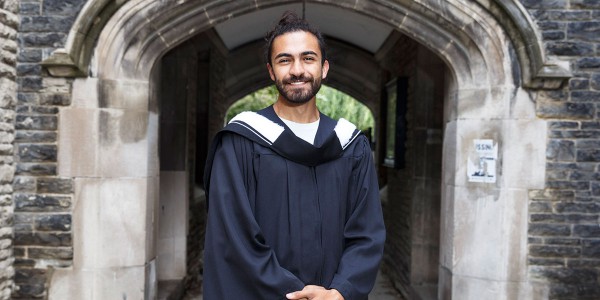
(299, 113)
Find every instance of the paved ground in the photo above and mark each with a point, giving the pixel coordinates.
(383, 291)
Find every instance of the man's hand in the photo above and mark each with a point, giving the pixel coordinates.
(315, 292)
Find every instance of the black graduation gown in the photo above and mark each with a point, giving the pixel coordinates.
(279, 220)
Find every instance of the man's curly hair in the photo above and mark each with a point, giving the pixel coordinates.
(290, 22)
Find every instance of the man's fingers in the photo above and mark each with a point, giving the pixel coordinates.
(307, 292)
(300, 295)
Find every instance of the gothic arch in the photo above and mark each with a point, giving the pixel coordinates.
(537, 71)
(114, 46)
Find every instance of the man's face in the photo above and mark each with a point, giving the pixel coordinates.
(296, 66)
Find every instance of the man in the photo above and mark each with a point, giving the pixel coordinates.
(293, 199)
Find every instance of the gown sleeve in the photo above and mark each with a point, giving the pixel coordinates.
(238, 264)
(364, 231)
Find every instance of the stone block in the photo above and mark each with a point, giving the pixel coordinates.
(123, 94)
(47, 239)
(41, 203)
(103, 209)
(35, 276)
(36, 122)
(85, 93)
(7, 173)
(62, 7)
(570, 15)
(469, 288)
(560, 150)
(50, 253)
(585, 96)
(577, 175)
(586, 31)
(553, 35)
(540, 207)
(584, 262)
(61, 99)
(485, 226)
(544, 218)
(565, 110)
(43, 39)
(36, 137)
(99, 284)
(563, 241)
(577, 207)
(29, 84)
(55, 185)
(588, 155)
(47, 23)
(44, 110)
(53, 222)
(591, 249)
(110, 143)
(29, 56)
(549, 229)
(570, 48)
(37, 152)
(29, 70)
(566, 275)
(596, 188)
(579, 84)
(29, 291)
(588, 144)
(29, 8)
(588, 62)
(36, 169)
(544, 4)
(591, 231)
(554, 251)
(27, 98)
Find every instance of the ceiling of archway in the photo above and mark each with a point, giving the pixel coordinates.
(359, 30)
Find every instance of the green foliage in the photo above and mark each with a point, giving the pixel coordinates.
(330, 101)
(253, 102)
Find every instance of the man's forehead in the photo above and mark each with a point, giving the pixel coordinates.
(296, 41)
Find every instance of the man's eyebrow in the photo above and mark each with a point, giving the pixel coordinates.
(309, 53)
(283, 55)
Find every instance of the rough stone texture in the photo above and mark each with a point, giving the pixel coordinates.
(8, 98)
(568, 209)
(564, 246)
(42, 201)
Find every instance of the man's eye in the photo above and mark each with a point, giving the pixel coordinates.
(309, 58)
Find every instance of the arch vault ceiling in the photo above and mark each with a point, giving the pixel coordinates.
(353, 28)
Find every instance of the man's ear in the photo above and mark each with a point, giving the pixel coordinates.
(325, 69)
(271, 71)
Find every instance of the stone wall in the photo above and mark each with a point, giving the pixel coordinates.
(398, 200)
(9, 23)
(564, 244)
(43, 202)
(564, 236)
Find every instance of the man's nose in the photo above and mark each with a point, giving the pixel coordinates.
(297, 68)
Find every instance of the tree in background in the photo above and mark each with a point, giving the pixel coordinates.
(330, 101)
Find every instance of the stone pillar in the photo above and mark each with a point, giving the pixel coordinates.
(9, 23)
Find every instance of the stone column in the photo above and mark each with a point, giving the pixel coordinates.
(9, 23)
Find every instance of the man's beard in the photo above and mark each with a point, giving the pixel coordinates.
(298, 95)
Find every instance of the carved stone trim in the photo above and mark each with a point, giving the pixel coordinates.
(74, 59)
(537, 72)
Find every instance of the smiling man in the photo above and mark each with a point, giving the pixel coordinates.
(293, 199)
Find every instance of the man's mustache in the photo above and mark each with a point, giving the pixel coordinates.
(301, 78)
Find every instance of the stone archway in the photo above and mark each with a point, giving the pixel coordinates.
(114, 120)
